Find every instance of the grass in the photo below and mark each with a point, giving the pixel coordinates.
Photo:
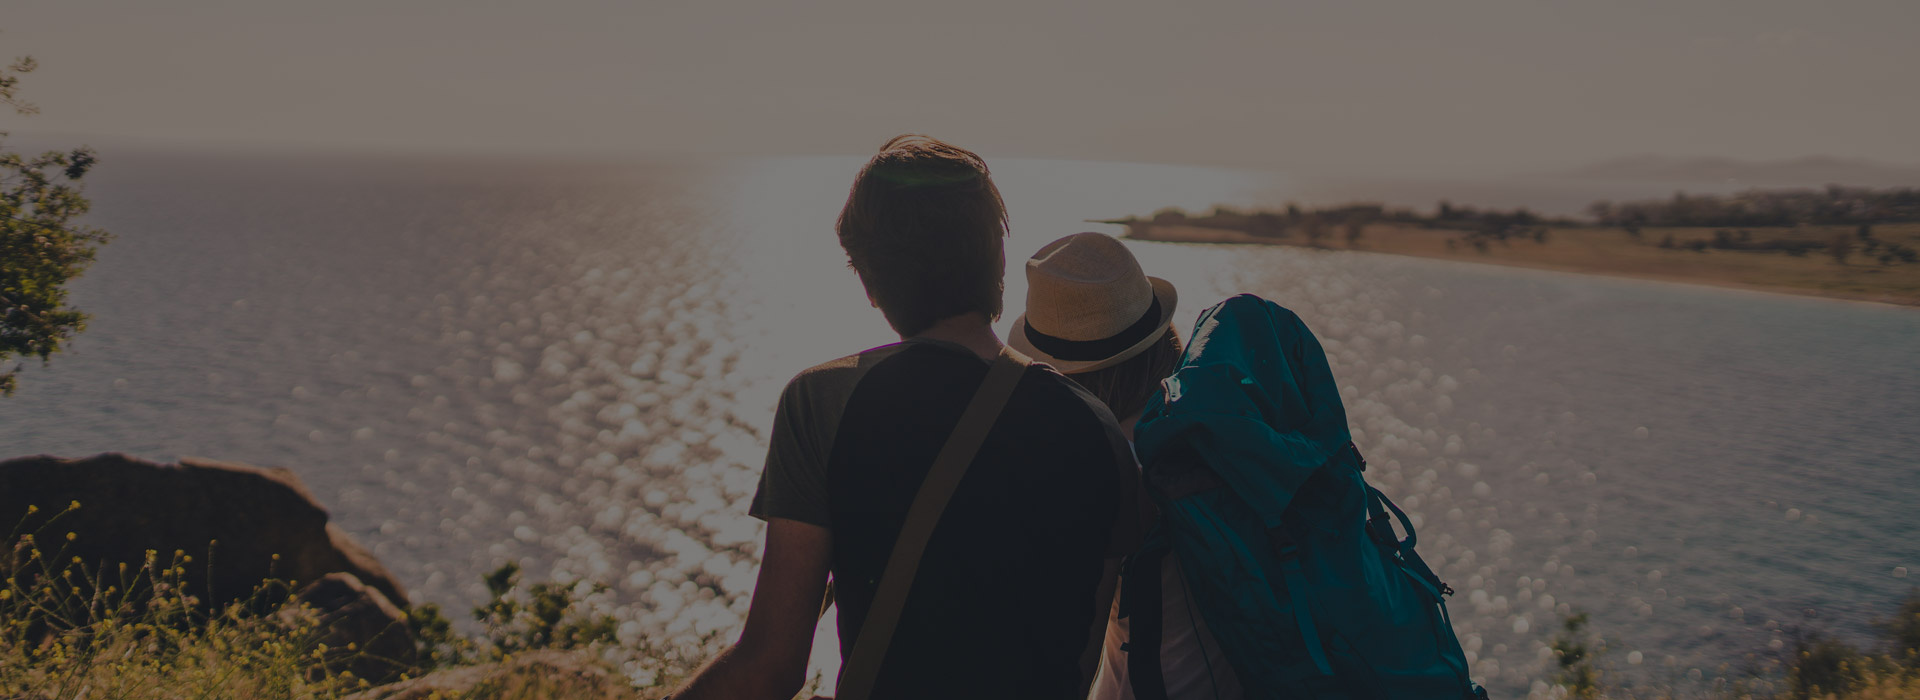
(1616, 252)
(136, 632)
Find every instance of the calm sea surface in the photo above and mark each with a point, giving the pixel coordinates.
(573, 367)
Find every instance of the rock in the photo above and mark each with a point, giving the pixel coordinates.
(363, 631)
(231, 518)
(534, 674)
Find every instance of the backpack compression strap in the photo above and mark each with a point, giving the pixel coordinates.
(876, 633)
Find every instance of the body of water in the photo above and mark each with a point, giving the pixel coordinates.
(573, 366)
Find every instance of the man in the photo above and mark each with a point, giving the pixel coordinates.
(1010, 595)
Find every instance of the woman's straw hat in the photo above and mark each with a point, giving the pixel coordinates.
(1089, 306)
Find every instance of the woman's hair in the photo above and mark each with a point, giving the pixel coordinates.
(1125, 387)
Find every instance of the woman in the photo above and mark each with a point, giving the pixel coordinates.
(1096, 317)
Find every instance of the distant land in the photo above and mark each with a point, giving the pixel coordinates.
(1843, 242)
(1811, 171)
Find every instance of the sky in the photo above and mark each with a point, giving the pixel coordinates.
(1383, 87)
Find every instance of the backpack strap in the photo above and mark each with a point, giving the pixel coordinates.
(876, 633)
(1140, 593)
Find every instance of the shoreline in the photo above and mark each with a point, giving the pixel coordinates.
(1528, 254)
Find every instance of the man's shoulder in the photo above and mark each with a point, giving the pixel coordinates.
(1054, 397)
(840, 374)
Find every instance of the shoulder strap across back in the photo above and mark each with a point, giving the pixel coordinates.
(876, 633)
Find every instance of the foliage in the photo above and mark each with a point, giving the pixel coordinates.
(553, 615)
(41, 247)
(136, 632)
(544, 616)
(1351, 220)
(1902, 632)
(70, 631)
(1314, 228)
(1169, 215)
(434, 638)
(1840, 246)
(1832, 205)
(1575, 660)
(1823, 666)
(1817, 667)
(1267, 225)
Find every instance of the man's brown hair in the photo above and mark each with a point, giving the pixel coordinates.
(924, 227)
(1125, 387)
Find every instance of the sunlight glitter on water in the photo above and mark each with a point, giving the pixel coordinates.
(574, 369)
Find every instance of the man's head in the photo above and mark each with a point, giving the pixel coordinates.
(924, 228)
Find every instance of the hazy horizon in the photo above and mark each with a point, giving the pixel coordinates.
(1476, 89)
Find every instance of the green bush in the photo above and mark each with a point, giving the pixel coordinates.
(1824, 666)
(1902, 632)
(1574, 655)
(544, 616)
(42, 245)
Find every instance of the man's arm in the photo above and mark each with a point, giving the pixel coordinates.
(770, 660)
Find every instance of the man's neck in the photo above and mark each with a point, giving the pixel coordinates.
(971, 331)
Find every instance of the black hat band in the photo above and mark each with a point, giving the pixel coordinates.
(1090, 350)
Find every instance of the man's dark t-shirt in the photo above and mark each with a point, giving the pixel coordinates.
(1004, 599)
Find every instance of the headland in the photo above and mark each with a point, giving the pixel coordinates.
(1841, 243)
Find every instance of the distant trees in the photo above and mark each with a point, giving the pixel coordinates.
(1316, 225)
(1267, 225)
(1840, 247)
(1169, 215)
(41, 246)
(1315, 230)
(1351, 221)
(1835, 205)
(1742, 240)
(1888, 252)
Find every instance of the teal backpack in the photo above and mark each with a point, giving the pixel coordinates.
(1289, 556)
